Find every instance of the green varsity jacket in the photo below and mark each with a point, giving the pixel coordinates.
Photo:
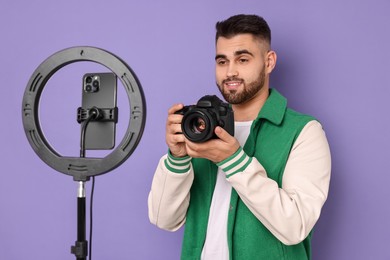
(271, 138)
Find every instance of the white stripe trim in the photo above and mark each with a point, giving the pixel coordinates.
(185, 167)
(179, 161)
(232, 160)
(239, 166)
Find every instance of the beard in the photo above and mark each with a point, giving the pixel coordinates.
(249, 91)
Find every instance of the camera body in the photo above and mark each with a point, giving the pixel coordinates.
(200, 120)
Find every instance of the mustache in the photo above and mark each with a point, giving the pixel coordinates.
(232, 79)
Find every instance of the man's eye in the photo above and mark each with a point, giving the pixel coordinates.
(221, 62)
(242, 60)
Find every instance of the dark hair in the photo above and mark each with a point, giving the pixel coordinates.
(243, 23)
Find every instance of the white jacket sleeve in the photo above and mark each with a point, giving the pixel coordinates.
(289, 212)
(169, 196)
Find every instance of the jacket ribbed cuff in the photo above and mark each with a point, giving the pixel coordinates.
(235, 163)
(177, 164)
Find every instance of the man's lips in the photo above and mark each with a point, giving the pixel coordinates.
(232, 84)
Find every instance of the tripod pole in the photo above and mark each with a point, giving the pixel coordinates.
(80, 249)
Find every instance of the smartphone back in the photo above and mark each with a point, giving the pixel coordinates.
(99, 90)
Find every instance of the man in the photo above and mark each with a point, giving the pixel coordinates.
(259, 193)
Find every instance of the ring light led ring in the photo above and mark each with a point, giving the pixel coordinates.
(83, 168)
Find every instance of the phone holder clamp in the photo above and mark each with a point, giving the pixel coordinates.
(101, 114)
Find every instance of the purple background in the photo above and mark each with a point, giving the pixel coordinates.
(333, 63)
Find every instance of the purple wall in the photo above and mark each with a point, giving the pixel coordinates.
(333, 63)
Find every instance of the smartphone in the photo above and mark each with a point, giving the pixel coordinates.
(99, 90)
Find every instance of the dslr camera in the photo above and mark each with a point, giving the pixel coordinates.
(200, 120)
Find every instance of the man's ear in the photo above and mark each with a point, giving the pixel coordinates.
(270, 61)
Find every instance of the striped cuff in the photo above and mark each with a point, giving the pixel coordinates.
(235, 163)
(177, 164)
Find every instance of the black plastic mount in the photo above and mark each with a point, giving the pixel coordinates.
(102, 114)
(83, 168)
(80, 249)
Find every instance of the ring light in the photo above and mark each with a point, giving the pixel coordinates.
(83, 168)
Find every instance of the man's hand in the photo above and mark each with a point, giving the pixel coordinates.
(173, 136)
(215, 150)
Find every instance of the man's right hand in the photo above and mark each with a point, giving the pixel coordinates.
(173, 136)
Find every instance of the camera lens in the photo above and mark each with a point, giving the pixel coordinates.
(198, 125)
(88, 88)
(95, 86)
(95, 83)
(88, 79)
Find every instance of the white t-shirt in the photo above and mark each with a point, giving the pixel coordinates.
(216, 244)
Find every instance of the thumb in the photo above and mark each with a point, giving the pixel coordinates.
(222, 134)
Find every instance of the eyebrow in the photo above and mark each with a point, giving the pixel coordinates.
(236, 53)
(220, 56)
(240, 52)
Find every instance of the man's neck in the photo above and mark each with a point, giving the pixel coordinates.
(249, 110)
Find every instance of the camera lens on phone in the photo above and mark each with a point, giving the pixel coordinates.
(88, 79)
(88, 88)
(95, 85)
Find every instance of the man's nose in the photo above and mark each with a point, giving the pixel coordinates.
(232, 71)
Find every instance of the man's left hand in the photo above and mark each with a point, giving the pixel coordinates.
(215, 150)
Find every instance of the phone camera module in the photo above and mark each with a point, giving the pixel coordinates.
(92, 84)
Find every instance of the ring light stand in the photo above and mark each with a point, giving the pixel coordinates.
(82, 168)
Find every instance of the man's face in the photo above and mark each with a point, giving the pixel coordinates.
(240, 67)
